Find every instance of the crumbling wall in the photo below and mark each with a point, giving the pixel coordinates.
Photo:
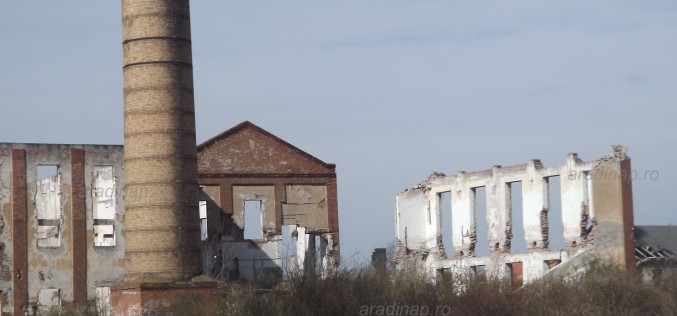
(48, 253)
(596, 210)
(265, 194)
(298, 205)
(308, 246)
(306, 206)
(50, 230)
(49, 211)
(105, 200)
(61, 237)
(6, 233)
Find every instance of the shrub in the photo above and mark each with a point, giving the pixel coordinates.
(602, 290)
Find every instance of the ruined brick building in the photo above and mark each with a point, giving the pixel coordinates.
(64, 234)
(134, 226)
(294, 193)
(596, 216)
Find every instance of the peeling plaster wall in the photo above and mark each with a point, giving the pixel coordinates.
(49, 211)
(6, 238)
(412, 219)
(265, 194)
(105, 265)
(306, 206)
(89, 198)
(596, 199)
(59, 246)
(50, 265)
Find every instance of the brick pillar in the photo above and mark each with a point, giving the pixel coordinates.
(19, 231)
(613, 209)
(628, 215)
(162, 229)
(79, 226)
(332, 196)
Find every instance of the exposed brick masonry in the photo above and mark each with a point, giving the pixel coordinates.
(19, 230)
(162, 230)
(79, 222)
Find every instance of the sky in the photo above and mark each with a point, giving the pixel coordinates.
(390, 91)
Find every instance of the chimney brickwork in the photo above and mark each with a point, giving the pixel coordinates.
(161, 209)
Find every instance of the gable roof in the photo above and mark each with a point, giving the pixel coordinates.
(249, 149)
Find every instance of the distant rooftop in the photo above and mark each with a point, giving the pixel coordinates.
(655, 242)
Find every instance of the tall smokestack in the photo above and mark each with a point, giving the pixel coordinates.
(161, 217)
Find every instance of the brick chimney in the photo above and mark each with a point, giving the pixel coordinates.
(161, 209)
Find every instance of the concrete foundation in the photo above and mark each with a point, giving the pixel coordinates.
(153, 297)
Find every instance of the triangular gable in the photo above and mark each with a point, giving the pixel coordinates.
(249, 149)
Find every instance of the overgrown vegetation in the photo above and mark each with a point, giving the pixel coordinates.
(603, 290)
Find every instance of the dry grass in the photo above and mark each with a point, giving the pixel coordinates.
(604, 290)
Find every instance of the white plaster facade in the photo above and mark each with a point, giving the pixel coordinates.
(419, 218)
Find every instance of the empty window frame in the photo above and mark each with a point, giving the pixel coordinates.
(444, 204)
(518, 243)
(480, 213)
(253, 221)
(104, 200)
(587, 200)
(288, 241)
(288, 250)
(554, 220)
(48, 206)
(203, 220)
(46, 171)
(320, 249)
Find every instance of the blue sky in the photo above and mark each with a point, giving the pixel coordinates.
(388, 90)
